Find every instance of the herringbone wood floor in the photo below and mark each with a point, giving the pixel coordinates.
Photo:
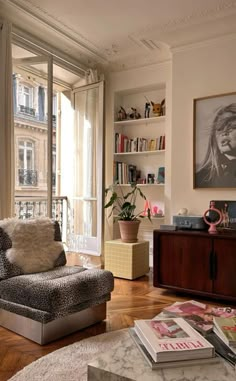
(130, 300)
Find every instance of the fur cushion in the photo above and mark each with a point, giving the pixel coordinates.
(33, 246)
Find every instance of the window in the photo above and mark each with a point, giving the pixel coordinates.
(69, 150)
(54, 165)
(25, 96)
(26, 173)
(26, 155)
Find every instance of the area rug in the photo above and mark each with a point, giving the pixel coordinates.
(70, 362)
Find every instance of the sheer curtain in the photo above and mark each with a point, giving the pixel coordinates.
(82, 148)
(6, 124)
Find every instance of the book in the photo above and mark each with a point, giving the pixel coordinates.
(173, 364)
(222, 349)
(199, 315)
(172, 339)
(226, 329)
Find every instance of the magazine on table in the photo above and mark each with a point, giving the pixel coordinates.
(172, 339)
(222, 349)
(226, 329)
(169, 364)
(199, 315)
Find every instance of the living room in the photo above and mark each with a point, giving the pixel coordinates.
(194, 65)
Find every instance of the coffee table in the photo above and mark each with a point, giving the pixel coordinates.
(124, 362)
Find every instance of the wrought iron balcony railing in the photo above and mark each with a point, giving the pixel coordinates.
(29, 113)
(32, 207)
(27, 110)
(28, 177)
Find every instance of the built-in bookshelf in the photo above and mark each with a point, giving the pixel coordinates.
(139, 147)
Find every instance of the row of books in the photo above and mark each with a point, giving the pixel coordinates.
(138, 144)
(125, 173)
(187, 333)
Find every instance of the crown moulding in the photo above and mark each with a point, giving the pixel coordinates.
(197, 28)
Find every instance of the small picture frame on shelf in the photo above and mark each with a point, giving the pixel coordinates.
(151, 178)
(161, 175)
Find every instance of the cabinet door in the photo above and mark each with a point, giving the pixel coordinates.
(183, 261)
(225, 272)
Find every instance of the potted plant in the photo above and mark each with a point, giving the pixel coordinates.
(124, 207)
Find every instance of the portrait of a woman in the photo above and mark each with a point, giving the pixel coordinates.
(217, 167)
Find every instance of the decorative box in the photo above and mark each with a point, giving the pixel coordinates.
(127, 260)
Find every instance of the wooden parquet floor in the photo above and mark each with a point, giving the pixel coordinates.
(131, 300)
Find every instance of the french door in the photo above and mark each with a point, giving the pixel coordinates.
(59, 149)
(86, 162)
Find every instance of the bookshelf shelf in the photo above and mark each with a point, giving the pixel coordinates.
(145, 218)
(142, 185)
(155, 152)
(132, 122)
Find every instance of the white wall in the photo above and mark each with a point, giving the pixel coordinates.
(196, 72)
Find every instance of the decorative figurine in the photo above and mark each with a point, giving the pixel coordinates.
(212, 228)
(147, 110)
(156, 108)
(163, 107)
(135, 114)
(183, 212)
(122, 115)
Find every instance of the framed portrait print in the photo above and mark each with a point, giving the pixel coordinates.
(214, 143)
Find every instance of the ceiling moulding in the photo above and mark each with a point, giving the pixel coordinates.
(199, 18)
(132, 64)
(26, 10)
(202, 44)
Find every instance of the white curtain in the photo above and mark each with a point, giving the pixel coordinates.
(82, 167)
(6, 124)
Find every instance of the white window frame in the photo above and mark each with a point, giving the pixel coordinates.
(25, 149)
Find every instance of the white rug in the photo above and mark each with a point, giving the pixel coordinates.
(70, 362)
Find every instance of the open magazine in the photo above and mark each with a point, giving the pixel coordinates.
(198, 315)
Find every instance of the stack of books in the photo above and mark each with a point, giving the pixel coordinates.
(207, 320)
(171, 342)
(225, 329)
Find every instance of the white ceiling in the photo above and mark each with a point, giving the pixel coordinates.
(122, 34)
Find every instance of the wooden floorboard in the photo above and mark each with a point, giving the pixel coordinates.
(131, 300)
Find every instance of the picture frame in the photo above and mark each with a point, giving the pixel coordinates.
(214, 141)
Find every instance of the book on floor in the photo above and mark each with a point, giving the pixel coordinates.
(172, 339)
(199, 315)
(168, 364)
(226, 329)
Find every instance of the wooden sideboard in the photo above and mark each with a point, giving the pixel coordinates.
(196, 262)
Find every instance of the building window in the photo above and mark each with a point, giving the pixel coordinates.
(25, 96)
(54, 165)
(26, 172)
(25, 100)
